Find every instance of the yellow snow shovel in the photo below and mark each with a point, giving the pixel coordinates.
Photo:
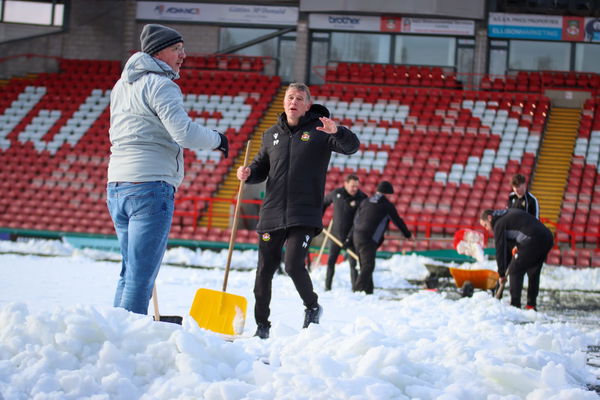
(223, 312)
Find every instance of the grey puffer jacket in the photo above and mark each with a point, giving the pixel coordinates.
(149, 125)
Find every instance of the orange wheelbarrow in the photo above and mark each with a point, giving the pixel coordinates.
(470, 279)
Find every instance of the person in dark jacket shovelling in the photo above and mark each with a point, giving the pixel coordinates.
(370, 223)
(533, 240)
(345, 200)
(293, 159)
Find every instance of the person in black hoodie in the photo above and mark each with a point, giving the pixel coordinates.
(533, 240)
(293, 159)
(345, 202)
(370, 223)
(521, 198)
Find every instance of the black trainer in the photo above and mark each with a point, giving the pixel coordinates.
(312, 315)
(262, 331)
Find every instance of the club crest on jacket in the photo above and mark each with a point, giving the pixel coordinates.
(305, 136)
(266, 237)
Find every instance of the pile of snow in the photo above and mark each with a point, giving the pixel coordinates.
(470, 243)
(61, 339)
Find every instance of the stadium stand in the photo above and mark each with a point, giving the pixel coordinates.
(388, 74)
(580, 211)
(443, 150)
(225, 62)
(54, 141)
(449, 152)
(538, 81)
(450, 122)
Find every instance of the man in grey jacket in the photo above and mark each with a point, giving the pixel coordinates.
(149, 128)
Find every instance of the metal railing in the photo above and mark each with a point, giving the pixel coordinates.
(198, 207)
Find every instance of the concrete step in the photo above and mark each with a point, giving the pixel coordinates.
(554, 159)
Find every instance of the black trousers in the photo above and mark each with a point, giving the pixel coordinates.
(334, 252)
(367, 250)
(270, 246)
(529, 260)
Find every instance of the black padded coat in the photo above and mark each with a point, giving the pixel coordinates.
(294, 162)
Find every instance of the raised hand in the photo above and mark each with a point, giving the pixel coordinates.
(328, 127)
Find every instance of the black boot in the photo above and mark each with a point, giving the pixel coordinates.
(262, 331)
(312, 315)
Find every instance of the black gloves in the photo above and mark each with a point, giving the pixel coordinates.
(348, 243)
(224, 145)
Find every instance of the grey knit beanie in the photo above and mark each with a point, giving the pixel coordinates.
(156, 37)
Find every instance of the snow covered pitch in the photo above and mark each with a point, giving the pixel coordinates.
(60, 338)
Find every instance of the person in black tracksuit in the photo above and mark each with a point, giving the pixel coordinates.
(521, 198)
(345, 202)
(370, 224)
(533, 240)
(293, 159)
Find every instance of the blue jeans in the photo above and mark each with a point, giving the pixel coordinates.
(142, 215)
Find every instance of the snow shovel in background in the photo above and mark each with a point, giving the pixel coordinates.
(500, 289)
(339, 243)
(174, 319)
(502, 284)
(318, 259)
(223, 312)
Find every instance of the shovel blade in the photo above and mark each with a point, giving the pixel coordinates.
(173, 319)
(219, 312)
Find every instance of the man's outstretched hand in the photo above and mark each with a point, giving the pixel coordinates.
(328, 127)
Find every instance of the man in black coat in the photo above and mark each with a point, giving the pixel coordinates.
(533, 240)
(293, 159)
(345, 202)
(370, 223)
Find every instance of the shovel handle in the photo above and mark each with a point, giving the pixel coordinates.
(339, 243)
(235, 221)
(501, 286)
(500, 290)
(318, 260)
(155, 303)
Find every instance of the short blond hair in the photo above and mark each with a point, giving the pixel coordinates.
(302, 88)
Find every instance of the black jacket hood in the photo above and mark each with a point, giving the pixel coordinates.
(320, 110)
(315, 111)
